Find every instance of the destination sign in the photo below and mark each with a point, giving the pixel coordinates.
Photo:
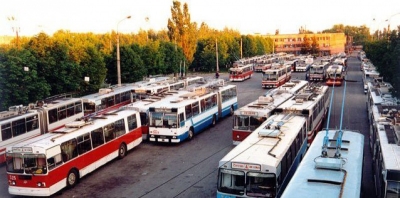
(246, 166)
(22, 150)
(249, 113)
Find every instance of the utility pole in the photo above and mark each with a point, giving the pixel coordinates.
(216, 53)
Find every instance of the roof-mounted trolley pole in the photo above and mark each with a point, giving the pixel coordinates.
(326, 138)
(339, 138)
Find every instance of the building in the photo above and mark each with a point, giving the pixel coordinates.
(328, 43)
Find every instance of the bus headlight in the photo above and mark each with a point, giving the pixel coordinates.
(12, 183)
(41, 184)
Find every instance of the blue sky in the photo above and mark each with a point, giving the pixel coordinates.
(246, 16)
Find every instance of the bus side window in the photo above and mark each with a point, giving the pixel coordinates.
(109, 132)
(132, 124)
(68, 150)
(54, 161)
(97, 137)
(119, 127)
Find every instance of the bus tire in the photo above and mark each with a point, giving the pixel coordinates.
(214, 121)
(122, 151)
(191, 134)
(72, 178)
(231, 112)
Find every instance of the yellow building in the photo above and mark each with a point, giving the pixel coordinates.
(328, 43)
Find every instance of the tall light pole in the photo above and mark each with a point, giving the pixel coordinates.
(118, 58)
(15, 27)
(388, 20)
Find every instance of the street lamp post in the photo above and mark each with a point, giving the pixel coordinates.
(118, 57)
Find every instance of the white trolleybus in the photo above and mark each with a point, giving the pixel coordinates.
(113, 97)
(20, 123)
(316, 73)
(312, 102)
(262, 165)
(182, 117)
(151, 98)
(240, 72)
(320, 175)
(249, 117)
(385, 141)
(334, 75)
(44, 165)
(276, 76)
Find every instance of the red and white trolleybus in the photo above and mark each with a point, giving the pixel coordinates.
(240, 72)
(43, 165)
(276, 76)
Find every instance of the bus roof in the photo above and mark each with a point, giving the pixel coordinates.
(307, 98)
(264, 150)
(352, 150)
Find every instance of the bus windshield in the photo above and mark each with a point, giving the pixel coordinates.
(164, 120)
(26, 163)
(267, 76)
(260, 185)
(231, 182)
(247, 122)
(393, 189)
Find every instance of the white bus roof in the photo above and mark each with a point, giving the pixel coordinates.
(263, 150)
(307, 98)
(388, 134)
(300, 186)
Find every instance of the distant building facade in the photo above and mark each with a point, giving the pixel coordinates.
(328, 43)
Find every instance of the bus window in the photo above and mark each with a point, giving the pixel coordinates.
(109, 132)
(120, 127)
(6, 131)
(97, 137)
(18, 127)
(132, 123)
(68, 150)
(54, 161)
(188, 111)
(84, 143)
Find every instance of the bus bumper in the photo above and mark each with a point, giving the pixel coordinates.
(40, 192)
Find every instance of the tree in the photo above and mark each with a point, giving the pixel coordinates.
(20, 86)
(306, 48)
(181, 30)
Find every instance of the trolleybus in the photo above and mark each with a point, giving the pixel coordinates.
(182, 117)
(44, 165)
(262, 165)
(384, 142)
(329, 176)
(249, 117)
(312, 102)
(316, 73)
(240, 72)
(113, 97)
(276, 76)
(334, 75)
(20, 123)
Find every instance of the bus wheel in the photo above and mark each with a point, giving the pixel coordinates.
(214, 122)
(72, 178)
(122, 151)
(191, 134)
(231, 112)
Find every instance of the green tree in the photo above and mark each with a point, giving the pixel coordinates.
(19, 86)
(181, 30)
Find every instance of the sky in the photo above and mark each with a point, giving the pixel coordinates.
(30, 17)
